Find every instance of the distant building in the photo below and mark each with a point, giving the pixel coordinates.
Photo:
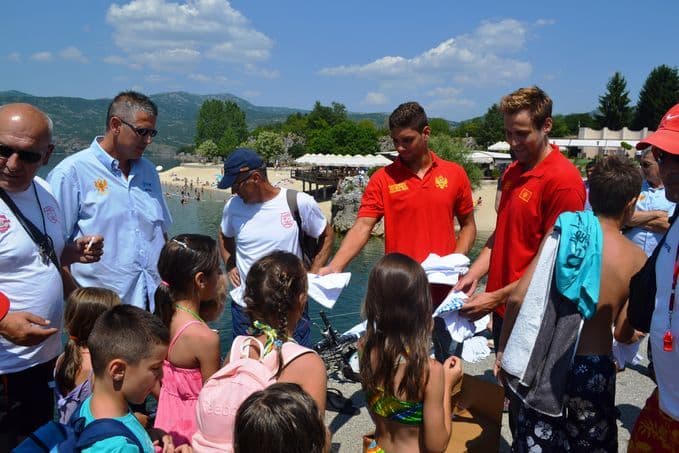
(602, 142)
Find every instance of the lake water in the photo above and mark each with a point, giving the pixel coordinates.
(204, 217)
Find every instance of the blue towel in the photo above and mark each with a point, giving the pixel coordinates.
(578, 265)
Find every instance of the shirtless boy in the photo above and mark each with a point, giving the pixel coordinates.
(589, 422)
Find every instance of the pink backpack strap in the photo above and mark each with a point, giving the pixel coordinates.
(292, 350)
(179, 332)
(241, 345)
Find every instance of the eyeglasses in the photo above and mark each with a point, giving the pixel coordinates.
(28, 157)
(140, 131)
(665, 157)
(645, 164)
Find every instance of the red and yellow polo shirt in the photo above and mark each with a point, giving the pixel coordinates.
(418, 213)
(531, 201)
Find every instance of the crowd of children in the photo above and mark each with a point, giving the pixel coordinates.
(270, 392)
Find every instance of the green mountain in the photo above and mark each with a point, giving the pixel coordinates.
(78, 120)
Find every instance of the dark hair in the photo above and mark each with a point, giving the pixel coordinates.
(533, 99)
(127, 103)
(408, 115)
(124, 332)
(181, 258)
(83, 307)
(398, 309)
(613, 183)
(282, 418)
(272, 290)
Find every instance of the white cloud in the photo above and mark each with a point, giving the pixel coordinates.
(73, 54)
(483, 57)
(155, 78)
(117, 60)
(176, 36)
(42, 56)
(199, 77)
(14, 56)
(375, 98)
(208, 79)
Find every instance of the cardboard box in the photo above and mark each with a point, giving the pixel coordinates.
(477, 416)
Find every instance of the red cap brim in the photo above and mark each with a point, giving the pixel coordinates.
(4, 305)
(665, 139)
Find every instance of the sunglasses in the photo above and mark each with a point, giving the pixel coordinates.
(239, 181)
(28, 157)
(647, 164)
(140, 131)
(664, 156)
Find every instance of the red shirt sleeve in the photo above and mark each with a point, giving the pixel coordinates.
(372, 203)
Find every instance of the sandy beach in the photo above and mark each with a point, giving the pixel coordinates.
(206, 176)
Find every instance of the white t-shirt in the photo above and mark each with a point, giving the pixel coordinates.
(30, 283)
(261, 228)
(666, 364)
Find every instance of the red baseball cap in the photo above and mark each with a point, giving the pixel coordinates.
(4, 305)
(667, 135)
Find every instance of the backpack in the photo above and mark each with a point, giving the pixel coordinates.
(310, 245)
(642, 289)
(74, 436)
(223, 393)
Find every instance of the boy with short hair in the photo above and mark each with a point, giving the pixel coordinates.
(127, 346)
(589, 422)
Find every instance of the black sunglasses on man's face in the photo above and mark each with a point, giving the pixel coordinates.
(663, 156)
(140, 131)
(28, 157)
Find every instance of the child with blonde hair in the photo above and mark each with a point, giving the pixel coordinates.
(73, 370)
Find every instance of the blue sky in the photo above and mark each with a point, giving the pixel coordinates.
(456, 58)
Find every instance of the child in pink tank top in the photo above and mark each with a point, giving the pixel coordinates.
(189, 269)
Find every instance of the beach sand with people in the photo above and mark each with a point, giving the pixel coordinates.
(206, 176)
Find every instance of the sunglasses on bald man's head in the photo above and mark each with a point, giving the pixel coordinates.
(28, 157)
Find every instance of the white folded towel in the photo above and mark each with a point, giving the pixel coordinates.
(445, 269)
(475, 349)
(237, 294)
(326, 289)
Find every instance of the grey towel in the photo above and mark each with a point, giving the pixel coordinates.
(543, 386)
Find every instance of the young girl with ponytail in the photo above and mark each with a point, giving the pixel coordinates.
(189, 268)
(73, 371)
(275, 298)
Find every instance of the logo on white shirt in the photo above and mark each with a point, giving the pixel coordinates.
(286, 220)
(4, 223)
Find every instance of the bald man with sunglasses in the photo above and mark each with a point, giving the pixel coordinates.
(112, 190)
(32, 250)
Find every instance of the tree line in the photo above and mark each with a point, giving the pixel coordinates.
(221, 126)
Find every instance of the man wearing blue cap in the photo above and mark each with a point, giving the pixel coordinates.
(258, 220)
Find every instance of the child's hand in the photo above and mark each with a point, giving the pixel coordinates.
(452, 371)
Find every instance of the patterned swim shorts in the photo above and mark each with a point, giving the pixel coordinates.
(589, 423)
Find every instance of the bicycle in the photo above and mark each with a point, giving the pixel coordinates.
(338, 352)
(340, 355)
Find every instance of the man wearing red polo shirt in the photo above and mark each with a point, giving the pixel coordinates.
(420, 195)
(536, 188)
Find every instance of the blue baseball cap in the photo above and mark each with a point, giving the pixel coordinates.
(241, 160)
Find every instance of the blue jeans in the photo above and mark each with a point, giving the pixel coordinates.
(241, 322)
